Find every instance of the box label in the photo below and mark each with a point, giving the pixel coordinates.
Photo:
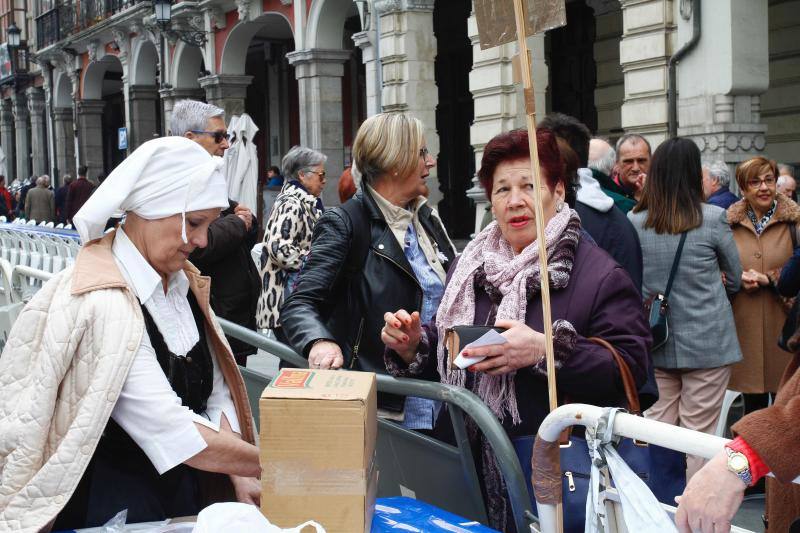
(293, 379)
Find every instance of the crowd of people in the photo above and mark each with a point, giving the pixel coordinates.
(376, 284)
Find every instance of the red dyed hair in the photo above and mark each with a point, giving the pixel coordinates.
(514, 145)
(347, 187)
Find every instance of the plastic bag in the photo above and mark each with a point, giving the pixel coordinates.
(233, 516)
(413, 516)
(641, 511)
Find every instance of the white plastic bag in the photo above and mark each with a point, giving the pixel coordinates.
(641, 511)
(233, 516)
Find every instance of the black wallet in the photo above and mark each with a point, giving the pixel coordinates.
(457, 337)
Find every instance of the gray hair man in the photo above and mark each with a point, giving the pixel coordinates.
(40, 201)
(716, 185)
(201, 122)
(788, 186)
(633, 163)
(306, 166)
(602, 157)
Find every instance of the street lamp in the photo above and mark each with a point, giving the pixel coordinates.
(14, 35)
(162, 10)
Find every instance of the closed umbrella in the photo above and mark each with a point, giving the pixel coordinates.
(243, 183)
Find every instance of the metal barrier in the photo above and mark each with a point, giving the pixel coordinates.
(460, 402)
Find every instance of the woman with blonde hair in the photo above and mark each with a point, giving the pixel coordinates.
(383, 249)
(764, 224)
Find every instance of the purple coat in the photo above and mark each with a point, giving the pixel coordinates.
(600, 300)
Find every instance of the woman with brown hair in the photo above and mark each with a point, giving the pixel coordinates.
(692, 366)
(763, 223)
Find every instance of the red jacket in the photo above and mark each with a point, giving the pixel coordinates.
(79, 191)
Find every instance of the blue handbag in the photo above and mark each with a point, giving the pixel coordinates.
(663, 470)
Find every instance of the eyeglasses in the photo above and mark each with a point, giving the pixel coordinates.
(218, 135)
(423, 152)
(756, 183)
(320, 174)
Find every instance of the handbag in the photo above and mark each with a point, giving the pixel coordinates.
(663, 470)
(657, 305)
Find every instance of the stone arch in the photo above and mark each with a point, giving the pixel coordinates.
(94, 85)
(145, 63)
(326, 23)
(186, 64)
(62, 93)
(234, 53)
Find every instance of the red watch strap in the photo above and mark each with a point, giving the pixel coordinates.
(758, 468)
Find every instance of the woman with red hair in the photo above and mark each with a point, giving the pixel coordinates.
(496, 281)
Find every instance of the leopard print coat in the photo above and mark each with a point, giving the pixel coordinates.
(287, 242)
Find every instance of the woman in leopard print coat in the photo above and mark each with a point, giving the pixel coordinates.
(287, 239)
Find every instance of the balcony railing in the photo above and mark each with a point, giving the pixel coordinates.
(54, 25)
(71, 17)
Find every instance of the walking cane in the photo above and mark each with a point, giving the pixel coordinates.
(500, 22)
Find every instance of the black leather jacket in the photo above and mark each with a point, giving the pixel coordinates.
(340, 300)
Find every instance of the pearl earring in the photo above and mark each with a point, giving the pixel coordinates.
(559, 207)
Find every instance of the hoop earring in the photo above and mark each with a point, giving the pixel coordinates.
(559, 207)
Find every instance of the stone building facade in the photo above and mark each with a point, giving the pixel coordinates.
(309, 71)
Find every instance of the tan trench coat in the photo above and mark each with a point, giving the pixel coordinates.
(760, 315)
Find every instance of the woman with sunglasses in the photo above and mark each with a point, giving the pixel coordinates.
(287, 238)
(382, 250)
(763, 224)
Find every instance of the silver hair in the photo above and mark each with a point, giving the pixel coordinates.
(300, 158)
(41, 181)
(192, 115)
(785, 170)
(719, 170)
(67, 178)
(636, 138)
(606, 163)
(783, 178)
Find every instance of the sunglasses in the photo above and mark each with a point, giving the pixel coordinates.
(218, 135)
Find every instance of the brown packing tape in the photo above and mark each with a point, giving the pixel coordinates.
(530, 101)
(516, 67)
(546, 471)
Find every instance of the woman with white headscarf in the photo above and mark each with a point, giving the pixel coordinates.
(118, 389)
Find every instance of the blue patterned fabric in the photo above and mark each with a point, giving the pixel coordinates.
(420, 413)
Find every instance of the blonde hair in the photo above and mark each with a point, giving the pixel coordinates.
(388, 143)
(753, 168)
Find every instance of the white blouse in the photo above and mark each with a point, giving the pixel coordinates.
(148, 409)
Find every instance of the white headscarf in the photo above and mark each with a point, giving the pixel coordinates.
(162, 178)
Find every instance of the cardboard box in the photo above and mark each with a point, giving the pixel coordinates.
(318, 431)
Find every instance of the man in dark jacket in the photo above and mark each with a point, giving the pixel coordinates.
(601, 219)
(61, 199)
(716, 180)
(235, 284)
(79, 191)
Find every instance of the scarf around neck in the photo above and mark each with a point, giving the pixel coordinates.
(509, 273)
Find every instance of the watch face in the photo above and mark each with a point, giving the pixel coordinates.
(738, 462)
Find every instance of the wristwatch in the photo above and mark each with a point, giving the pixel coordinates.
(739, 465)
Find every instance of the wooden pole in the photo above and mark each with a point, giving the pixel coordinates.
(520, 17)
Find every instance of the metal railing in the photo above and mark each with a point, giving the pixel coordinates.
(460, 402)
(55, 25)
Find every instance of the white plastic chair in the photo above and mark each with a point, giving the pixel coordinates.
(31, 222)
(3, 219)
(68, 226)
(50, 225)
(730, 397)
(42, 224)
(60, 225)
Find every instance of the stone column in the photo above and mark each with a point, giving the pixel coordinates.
(647, 43)
(65, 141)
(7, 140)
(39, 158)
(319, 75)
(22, 135)
(720, 104)
(363, 40)
(170, 96)
(499, 104)
(408, 52)
(227, 91)
(90, 135)
(144, 118)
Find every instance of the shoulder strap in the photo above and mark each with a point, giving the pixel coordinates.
(793, 235)
(675, 264)
(359, 235)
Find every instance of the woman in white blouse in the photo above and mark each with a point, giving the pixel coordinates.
(147, 339)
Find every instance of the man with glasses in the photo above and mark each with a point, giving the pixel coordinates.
(235, 283)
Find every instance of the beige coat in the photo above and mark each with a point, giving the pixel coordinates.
(61, 372)
(760, 315)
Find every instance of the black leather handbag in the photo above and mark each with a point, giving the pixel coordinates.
(657, 305)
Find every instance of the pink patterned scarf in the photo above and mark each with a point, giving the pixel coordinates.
(509, 273)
